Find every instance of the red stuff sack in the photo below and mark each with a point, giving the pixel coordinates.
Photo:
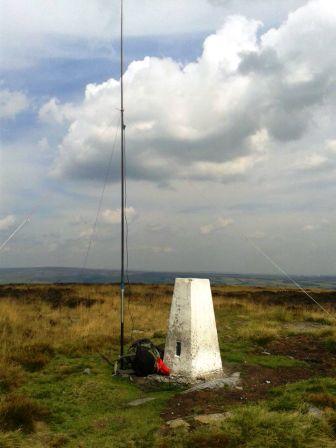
(161, 367)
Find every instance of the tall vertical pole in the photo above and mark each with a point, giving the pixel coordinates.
(122, 273)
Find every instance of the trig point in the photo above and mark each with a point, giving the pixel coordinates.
(192, 349)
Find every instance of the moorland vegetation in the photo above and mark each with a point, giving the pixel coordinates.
(57, 389)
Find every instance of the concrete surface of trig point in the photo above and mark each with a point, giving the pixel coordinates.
(192, 349)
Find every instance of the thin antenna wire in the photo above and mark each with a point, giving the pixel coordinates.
(25, 221)
(4, 244)
(270, 259)
(280, 269)
(100, 204)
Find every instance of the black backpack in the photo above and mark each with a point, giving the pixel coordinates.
(144, 356)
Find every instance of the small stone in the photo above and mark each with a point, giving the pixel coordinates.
(212, 419)
(178, 423)
(140, 401)
(315, 412)
(268, 382)
(265, 353)
(229, 381)
(87, 371)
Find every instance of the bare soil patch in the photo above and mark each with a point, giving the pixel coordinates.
(257, 381)
(306, 348)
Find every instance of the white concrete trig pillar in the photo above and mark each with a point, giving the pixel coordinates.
(192, 349)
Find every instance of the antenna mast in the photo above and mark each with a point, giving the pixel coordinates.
(123, 127)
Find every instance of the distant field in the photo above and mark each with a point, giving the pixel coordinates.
(107, 276)
(57, 390)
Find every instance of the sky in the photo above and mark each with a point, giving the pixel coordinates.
(231, 143)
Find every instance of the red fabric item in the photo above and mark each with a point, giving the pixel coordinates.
(162, 368)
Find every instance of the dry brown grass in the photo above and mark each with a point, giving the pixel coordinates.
(322, 399)
(11, 376)
(33, 328)
(38, 323)
(20, 412)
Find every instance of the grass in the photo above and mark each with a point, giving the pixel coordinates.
(240, 353)
(256, 427)
(56, 390)
(18, 412)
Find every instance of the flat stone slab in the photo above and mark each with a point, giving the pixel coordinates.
(315, 412)
(178, 423)
(229, 381)
(177, 380)
(140, 401)
(212, 419)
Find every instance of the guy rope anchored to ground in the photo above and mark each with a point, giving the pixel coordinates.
(265, 255)
(257, 248)
(25, 221)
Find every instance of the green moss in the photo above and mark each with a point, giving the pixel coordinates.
(92, 409)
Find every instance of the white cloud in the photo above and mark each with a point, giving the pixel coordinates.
(314, 161)
(215, 118)
(161, 249)
(321, 224)
(53, 112)
(256, 117)
(309, 227)
(7, 222)
(44, 146)
(45, 27)
(322, 160)
(331, 146)
(257, 235)
(219, 224)
(113, 216)
(86, 233)
(12, 103)
(156, 249)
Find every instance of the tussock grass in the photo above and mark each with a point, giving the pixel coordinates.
(11, 376)
(18, 412)
(322, 399)
(256, 427)
(10, 440)
(33, 356)
(331, 419)
(258, 332)
(32, 330)
(49, 335)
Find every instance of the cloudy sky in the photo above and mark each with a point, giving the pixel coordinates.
(231, 141)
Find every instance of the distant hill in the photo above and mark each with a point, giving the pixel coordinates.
(77, 275)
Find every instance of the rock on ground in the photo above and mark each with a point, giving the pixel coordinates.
(212, 419)
(229, 381)
(315, 412)
(140, 401)
(177, 423)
